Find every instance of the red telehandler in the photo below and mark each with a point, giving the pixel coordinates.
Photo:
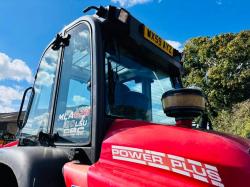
(107, 108)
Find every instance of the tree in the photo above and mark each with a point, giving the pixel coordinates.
(235, 121)
(220, 66)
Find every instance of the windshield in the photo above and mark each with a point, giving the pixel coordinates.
(134, 90)
(72, 118)
(38, 118)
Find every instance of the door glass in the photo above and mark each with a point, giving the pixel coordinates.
(38, 118)
(73, 115)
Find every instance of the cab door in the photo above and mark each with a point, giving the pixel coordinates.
(72, 122)
(78, 109)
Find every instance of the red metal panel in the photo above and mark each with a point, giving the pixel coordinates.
(75, 174)
(11, 144)
(143, 154)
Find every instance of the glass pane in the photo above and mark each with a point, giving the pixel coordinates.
(134, 86)
(44, 83)
(72, 120)
(134, 90)
(159, 87)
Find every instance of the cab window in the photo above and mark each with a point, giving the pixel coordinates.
(133, 88)
(38, 119)
(73, 112)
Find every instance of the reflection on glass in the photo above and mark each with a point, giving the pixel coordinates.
(159, 87)
(72, 120)
(39, 112)
(134, 90)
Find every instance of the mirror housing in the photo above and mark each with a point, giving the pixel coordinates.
(184, 103)
(19, 121)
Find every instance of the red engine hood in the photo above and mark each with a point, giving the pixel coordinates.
(146, 154)
(240, 140)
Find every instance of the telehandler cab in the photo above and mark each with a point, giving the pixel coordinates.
(97, 115)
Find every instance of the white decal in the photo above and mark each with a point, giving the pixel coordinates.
(75, 123)
(190, 168)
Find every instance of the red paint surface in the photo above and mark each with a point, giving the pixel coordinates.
(228, 154)
(75, 174)
(11, 144)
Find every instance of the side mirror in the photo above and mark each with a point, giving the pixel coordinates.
(20, 121)
(184, 103)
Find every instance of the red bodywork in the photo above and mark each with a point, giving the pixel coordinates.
(11, 144)
(75, 173)
(144, 154)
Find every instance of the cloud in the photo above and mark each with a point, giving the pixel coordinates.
(219, 2)
(37, 123)
(14, 69)
(177, 45)
(47, 67)
(44, 79)
(130, 3)
(46, 74)
(79, 100)
(7, 96)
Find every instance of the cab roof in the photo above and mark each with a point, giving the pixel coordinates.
(125, 25)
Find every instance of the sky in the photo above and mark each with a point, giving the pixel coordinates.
(27, 26)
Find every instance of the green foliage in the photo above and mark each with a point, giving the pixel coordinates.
(235, 121)
(221, 67)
